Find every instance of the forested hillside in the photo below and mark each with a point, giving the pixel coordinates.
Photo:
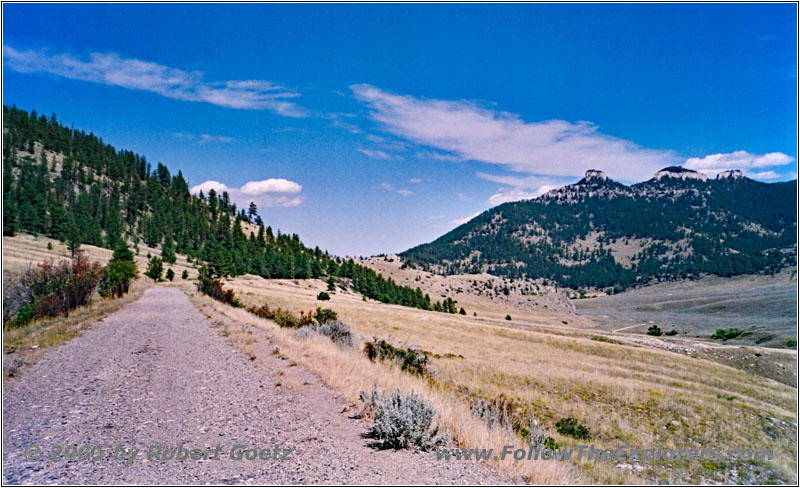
(601, 234)
(69, 185)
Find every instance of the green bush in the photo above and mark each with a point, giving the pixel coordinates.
(411, 360)
(673, 332)
(508, 317)
(117, 276)
(654, 330)
(402, 421)
(791, 343)
(323, 296)
(322, 315)
(725, 334)
(571, 427)
(118, 273)
(185, 275)
(170, 274)
(25, 314)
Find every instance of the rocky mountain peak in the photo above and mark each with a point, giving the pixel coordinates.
(731, 174)
(680, 173)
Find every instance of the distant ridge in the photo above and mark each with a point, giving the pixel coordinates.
(598, 233)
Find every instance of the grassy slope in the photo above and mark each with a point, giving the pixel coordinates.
(636, 395)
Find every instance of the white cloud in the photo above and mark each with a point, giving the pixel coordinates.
(743, 160)
(401, 191)
(271, 185)
(374, 153)
(415, 180)
(272, 192)
(524, 187)
(764, 175)
(505, 195)
(112, 69)
(465, 219)
(465, 130)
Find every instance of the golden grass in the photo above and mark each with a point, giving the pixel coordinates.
(349, 372)
(626, 394)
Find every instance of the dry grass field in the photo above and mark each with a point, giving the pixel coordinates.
(625, 393)
(550, 365)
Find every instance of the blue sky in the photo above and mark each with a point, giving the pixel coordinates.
(373, 128)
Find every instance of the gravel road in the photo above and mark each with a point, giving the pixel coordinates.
(157, 373)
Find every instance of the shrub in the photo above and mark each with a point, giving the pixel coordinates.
(185, 275)
(402, 421)
(654, 330)
(51, 289)
(411, 360)
(339, 333)
(214, 289)
(508, 317)
(322, 315)
(726, 334)
(118, 273)
(170, 274)
(462, 311)
(154, 268)
(323, 296)
(117, 276)
(673, 332)
(571, 427)
(25, 314)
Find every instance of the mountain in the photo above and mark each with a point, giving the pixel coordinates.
(69, 185)
(601, 234)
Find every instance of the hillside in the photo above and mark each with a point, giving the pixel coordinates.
(68, 185)
(600, 234)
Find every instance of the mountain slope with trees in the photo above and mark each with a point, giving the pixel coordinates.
(69, 185)
(601, 234)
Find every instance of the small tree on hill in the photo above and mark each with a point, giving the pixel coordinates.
(154, 268)
(170, 274)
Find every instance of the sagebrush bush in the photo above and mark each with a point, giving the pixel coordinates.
(322, 296)
(402, 420)
(339, 333)
(410, 360)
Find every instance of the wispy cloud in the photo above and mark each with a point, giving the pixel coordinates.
(115, 70)
(402, 191)
(374, 153)
(465, 219)
(272, 192)
(472, 132)
(522, 187)
(753, 165)
(415, 180)
(204, 138)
